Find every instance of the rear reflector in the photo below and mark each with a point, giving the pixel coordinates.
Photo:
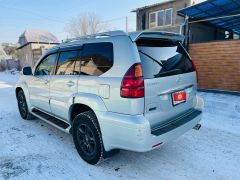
(133, 83)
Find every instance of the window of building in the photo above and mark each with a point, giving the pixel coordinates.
(66, 63)
(168, 16)
(97, 58)
(46, 66)
(152, 20)
(37, 53)
(160, 18)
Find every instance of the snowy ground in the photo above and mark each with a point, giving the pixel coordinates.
(35, 150)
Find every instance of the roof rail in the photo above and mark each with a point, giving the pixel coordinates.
(103, 34)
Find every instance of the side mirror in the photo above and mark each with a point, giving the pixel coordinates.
(27, 71)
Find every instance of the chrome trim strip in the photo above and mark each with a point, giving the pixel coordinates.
(174, 90)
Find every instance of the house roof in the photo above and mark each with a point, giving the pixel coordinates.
(39, 36)
(149, 6)
(223, 14)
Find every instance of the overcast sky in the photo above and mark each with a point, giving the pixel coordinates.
(54, 15)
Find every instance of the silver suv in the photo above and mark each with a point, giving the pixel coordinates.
(114, 91)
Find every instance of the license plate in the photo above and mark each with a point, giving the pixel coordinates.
(179, 97)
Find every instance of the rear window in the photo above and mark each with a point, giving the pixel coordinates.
(161, 58)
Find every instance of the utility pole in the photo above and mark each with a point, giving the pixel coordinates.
(126, 24)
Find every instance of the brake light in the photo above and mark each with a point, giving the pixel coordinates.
(133, 83)
(195, 69)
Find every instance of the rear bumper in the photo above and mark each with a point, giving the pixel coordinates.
(134, 132)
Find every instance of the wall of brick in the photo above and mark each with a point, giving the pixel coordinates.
(218, 64)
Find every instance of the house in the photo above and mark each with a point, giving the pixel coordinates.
(6, 60)
(32, 45)
(3, 54)
(10, 49)
(163, 16)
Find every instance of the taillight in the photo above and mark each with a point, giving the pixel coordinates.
(133, 82)
(195, 69)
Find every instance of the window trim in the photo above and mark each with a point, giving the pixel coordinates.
(155, 12)
(164, 18)
(43, 58)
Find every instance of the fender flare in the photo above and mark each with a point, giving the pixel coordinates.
(93, 101)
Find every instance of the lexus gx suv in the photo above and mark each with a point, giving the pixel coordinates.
(114, 91)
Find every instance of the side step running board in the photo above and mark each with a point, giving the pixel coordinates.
(56, 122)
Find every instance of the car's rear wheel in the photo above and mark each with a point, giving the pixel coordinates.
(22, 106)
(87, 137)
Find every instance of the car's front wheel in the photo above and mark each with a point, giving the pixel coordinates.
(22, 106)
(87, 137)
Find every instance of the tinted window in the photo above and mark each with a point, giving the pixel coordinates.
(97, 58)
(171, 57)
(66, 63)
(46, 67)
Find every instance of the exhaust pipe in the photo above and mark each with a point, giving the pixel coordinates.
(197, 127)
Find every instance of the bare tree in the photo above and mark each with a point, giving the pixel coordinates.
(85, 24)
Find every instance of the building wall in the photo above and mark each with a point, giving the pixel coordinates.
(27, 55)
(218, 64)
(196, 1)
(41, 48)
(143, 15)
(203, 33)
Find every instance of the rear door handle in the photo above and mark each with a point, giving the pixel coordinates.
(70, 83)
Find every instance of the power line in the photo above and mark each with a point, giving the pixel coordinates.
(39, 14)
(114, 19)
(31, 12)
(58, 21)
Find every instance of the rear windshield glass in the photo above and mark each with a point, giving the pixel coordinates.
(161, 58)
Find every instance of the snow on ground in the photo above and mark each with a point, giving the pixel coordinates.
(35, 150)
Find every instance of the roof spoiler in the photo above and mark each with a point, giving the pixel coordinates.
(156, 35)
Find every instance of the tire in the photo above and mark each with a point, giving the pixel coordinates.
(22, 106)
(87, 137)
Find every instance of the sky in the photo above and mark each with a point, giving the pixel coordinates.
(54, 15)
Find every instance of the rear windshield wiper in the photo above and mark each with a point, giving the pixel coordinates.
(156, 61)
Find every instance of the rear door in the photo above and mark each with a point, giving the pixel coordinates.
(169, 77)
(63, 83)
